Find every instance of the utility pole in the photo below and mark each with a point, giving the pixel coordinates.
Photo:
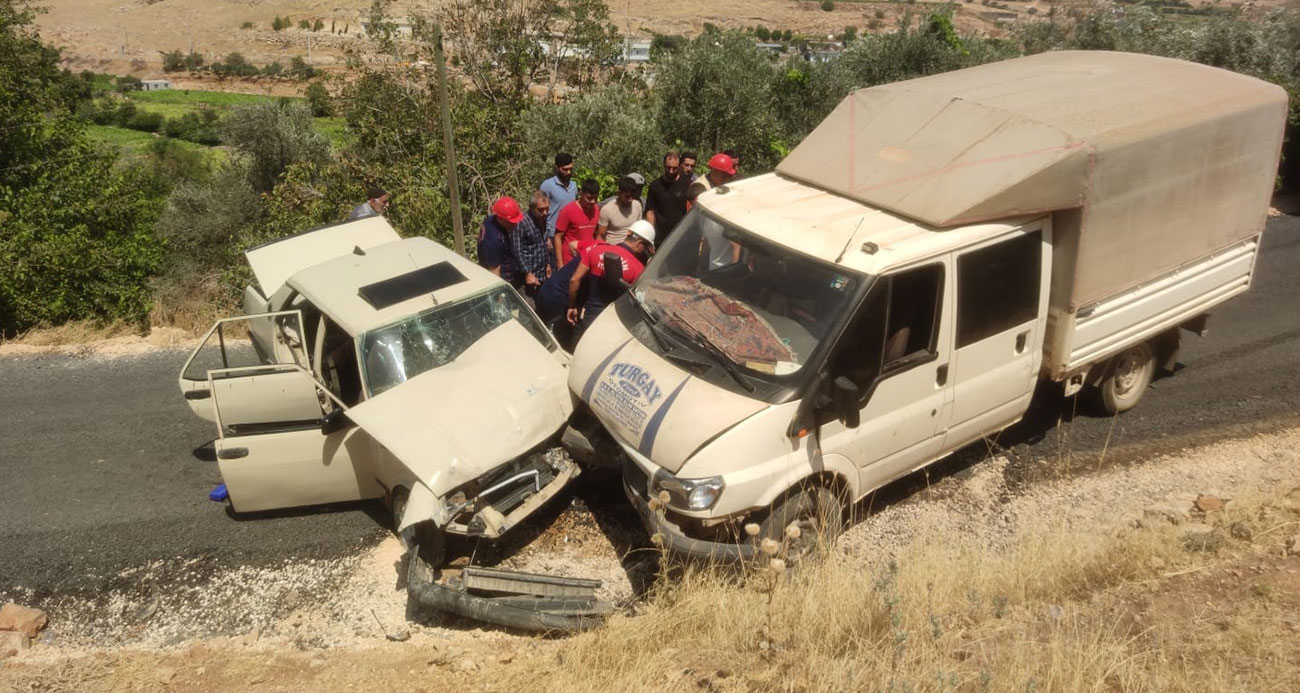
(448, 146)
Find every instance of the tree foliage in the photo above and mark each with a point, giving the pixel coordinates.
(77, 237)
(272, 136)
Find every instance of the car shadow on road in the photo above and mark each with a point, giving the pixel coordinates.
(373, 508)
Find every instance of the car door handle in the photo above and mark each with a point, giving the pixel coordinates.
(941, 375)
(1021, 340)
(198, 394)
(233, 453)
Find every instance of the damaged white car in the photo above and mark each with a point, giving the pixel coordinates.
(371, 366)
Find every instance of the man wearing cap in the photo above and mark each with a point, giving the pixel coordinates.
(374, 206)
(722, 169)
(553, 298)
(617, 216)
(719, 251)
(632, 253)
(665, 204)
(577, 222)
(495, 251)
(560, 188)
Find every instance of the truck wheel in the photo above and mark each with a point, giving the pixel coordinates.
(1129, 375)
(818, 513)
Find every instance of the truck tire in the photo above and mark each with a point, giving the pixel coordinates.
(817, 511)
(1127, 376)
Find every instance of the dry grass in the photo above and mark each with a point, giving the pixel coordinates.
(195, 307)
(1052, 609)
(1055, 611)
(75, 332)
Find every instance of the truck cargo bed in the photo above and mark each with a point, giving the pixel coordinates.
(1077, 339)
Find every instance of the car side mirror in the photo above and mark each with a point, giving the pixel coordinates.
(335, 421)
(613, 266)
(845, 395)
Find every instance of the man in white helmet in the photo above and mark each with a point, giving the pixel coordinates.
(632, 254)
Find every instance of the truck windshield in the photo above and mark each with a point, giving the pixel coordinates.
(764, 307)
(394, 354)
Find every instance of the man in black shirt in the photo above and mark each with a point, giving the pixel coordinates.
(665, 204)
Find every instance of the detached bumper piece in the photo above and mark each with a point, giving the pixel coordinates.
(522, 601)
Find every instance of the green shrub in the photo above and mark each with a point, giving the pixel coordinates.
(828, 6)
(144, 121)
(319, 101)
(173, 61)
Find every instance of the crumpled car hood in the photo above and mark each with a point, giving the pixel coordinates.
(501, 397)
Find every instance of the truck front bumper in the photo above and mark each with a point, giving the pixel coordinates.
(675, 541)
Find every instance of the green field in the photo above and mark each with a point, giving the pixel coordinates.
(174, 103)
(134, 143)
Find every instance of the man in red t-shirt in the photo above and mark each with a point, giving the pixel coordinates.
(577, 222)
(638, 245)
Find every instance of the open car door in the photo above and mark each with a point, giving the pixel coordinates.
(283, 440)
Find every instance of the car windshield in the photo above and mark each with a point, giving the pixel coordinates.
(394, 354)
(763, 306)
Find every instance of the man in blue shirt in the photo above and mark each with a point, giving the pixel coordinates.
(561, 189)
(495, 251)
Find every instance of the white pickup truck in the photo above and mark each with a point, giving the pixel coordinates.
(898, 287)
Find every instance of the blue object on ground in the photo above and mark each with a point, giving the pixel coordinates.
(219, 494)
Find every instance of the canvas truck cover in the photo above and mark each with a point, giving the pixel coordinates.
(1165, 160)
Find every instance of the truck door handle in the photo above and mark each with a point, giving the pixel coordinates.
(233, 453)
(1021, 340)
(941, 375)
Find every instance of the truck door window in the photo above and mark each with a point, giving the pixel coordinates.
(998, 287)
(896, 328)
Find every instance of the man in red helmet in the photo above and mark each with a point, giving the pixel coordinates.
(494, 247)
(719, 251)
(722, 168)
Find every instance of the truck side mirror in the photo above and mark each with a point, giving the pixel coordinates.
(335, 421)
(613, 266)
(845, 395)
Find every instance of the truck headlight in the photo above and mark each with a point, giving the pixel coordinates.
(691, 494)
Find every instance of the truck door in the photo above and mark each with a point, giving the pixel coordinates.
(273, 447)
(1001, 309)
(896, 352)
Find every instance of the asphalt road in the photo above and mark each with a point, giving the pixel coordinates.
(103, 468)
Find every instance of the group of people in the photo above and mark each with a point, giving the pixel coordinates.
(559, 252)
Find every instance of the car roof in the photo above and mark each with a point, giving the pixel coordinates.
(835, 228)
(337, 286)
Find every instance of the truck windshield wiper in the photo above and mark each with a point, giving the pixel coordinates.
(699, 339)
(651, 320)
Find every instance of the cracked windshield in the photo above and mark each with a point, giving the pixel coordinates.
(761, 306)
(394, 354)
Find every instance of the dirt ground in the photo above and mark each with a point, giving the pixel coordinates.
(327, 625)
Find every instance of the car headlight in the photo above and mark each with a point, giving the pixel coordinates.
(691, 494)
